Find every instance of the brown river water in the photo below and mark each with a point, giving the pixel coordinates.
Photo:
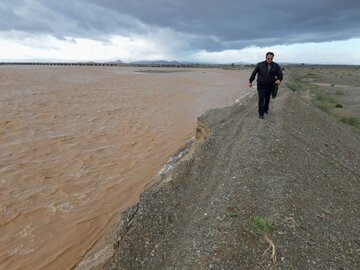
(79, 144)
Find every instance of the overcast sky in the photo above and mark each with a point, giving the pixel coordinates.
(219, 31)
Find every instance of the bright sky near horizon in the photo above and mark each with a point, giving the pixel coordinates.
(211, 31)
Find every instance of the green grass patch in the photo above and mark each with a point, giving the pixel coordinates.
(353, 121)
(262, 224)
(323, 101)
(292, 86)
(339, 93)
(322, 96)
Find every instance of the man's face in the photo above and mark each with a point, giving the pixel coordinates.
(269, 58)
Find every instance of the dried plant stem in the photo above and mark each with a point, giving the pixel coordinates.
(269, 253)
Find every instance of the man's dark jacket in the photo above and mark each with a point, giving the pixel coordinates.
(266, 77)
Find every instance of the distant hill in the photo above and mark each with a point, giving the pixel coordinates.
(157, 62)
(115, 62)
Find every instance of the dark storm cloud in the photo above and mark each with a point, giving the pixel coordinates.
(206, 24)
(62, 19)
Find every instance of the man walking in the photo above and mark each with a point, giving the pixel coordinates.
(268, 74)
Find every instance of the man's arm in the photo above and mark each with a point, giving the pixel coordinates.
(252, 77)
(253, 74)
(279, 75)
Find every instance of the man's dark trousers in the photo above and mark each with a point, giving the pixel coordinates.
(264, 92)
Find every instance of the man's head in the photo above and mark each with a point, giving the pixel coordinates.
(269, 57)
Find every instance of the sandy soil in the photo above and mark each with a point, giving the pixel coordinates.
(78, 145)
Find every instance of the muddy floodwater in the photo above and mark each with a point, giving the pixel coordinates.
(79, 144)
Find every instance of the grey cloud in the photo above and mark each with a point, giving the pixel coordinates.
(65, 19)
(206, 24)
(279, 21)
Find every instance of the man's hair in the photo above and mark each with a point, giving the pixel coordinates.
(269, 53)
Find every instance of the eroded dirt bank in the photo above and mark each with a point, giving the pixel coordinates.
(298, 168)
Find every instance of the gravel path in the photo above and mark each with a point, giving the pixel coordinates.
(298, 168)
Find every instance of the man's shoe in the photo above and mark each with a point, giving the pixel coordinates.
(261, 116)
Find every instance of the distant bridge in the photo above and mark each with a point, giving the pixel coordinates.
(61, 64)
(193, 65)
(95, 64)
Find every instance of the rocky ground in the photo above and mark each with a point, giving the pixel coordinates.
(297, 171)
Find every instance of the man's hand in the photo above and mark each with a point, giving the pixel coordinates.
(277, 82)
(250, 84)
